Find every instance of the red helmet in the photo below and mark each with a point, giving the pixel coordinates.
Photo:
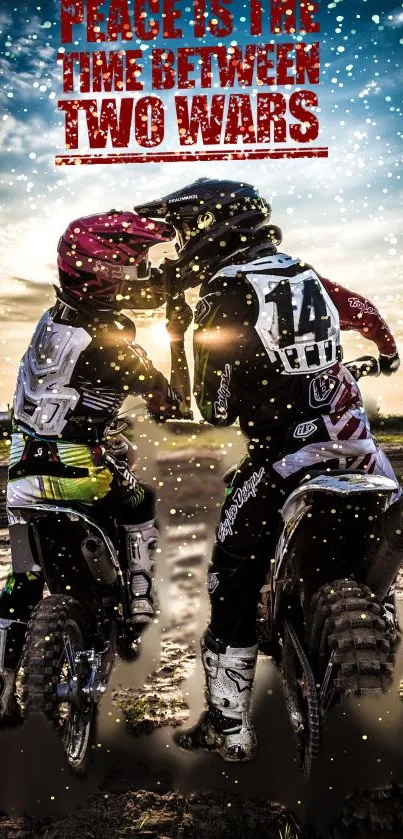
(103, 260)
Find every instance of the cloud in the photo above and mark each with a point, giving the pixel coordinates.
(23, 300)
(394, 21)
(5, 21)
(28, 63)
(21, 137)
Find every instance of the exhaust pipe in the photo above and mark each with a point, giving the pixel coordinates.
(98, 560)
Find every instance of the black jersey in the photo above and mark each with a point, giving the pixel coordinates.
(267, 344)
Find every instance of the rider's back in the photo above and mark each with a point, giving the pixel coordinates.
(268, 346)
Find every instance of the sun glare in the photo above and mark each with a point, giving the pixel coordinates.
(159, 334)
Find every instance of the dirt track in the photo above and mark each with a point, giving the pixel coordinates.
(138, 797)
(134, 800)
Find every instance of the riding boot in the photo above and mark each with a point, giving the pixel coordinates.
(225, 727)
(141, 544)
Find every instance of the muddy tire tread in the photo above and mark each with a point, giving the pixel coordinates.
(41, 655)
(346, 617)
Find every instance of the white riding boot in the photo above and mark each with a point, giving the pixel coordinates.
(226, 726)
(141, 544)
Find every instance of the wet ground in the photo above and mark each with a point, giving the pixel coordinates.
(142, 785)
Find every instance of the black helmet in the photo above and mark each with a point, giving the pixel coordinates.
(214, 220)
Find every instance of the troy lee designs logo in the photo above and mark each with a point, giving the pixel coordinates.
(212, 581)
(305, 429)
(223, 394)
(323, 389)
(363, 306)
(241, 495)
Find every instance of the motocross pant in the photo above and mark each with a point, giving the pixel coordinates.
(250, 519)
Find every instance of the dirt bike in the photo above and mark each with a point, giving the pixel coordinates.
(323, 615)
(73, 634)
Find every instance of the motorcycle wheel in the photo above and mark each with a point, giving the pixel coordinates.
(301, 700)
(346, 622)
(58, 625)
(374, 812)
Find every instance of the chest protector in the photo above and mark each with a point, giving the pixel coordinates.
(44, 394)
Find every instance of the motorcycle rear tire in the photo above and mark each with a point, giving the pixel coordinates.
(346, 619)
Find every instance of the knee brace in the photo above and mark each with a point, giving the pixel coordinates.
(141, 544)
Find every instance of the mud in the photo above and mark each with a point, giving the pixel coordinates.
(134, 799)
(155, 815)
(146, 786)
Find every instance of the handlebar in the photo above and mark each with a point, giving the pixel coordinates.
(366, 365)
(117, 426)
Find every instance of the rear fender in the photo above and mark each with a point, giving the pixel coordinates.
(57, 537)
(336, 491)
(380, 566)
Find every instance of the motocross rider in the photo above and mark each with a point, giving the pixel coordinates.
(267, 351)
(82, 362)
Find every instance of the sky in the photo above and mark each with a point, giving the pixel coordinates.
(342, 214)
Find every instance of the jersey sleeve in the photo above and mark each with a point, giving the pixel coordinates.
(218, 338)
(358, 313)
(141, 378)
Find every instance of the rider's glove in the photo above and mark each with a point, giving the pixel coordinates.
(179, 316)
(389, 364)
(169, 409)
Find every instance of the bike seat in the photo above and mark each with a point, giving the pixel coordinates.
(42, 508)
